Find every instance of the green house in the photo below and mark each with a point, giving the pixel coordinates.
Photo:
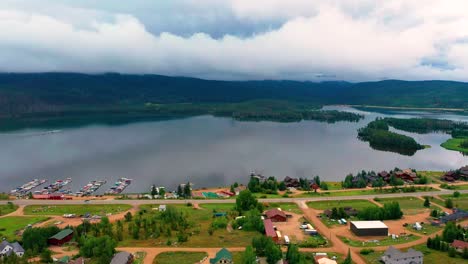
(222, 257)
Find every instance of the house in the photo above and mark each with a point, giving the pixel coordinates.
(222, 257)
(258, 176)
(276, 215)
(270, 230)
(450, 176)
(122, 258)
(406, 175)
(457, 215)
(324, 260)
(395, 256)
(463, 172)
(61, 237)
(162, 208)
(239, 189)
(7, 249)
(291, 182)
(459, 245)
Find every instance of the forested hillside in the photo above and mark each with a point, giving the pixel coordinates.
(56, 92)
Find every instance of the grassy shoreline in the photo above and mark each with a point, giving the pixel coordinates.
(454, 144)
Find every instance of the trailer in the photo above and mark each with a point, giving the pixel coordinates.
(286, 240)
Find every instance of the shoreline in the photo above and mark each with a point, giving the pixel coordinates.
(410, 108)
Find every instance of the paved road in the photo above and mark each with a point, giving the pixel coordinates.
(268, 200)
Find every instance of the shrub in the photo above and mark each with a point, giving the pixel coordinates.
(366, 251)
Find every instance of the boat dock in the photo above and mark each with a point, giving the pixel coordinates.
(119, 186)
(90, 188)
(27, 187)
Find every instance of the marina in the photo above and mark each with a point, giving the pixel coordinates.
(90, 188)
(119, 186)
(27, 187)
(57, 186)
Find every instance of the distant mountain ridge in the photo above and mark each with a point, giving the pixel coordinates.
(48, 92)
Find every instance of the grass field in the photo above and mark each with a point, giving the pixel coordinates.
(4, 196)
(355, 192)
(139, 257)
(334, 185)
(93, 209)
(237, 256)
(11, 224)
(426, 229)
(179, 257)
(435, 257)
(200, 221)
(384, 241)
(7, 208)
(433, 176)
(356, 204)
(409, 205)
(286, 207)
(454, 144)
(460, 202)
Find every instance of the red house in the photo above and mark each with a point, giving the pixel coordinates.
(270, 230)
(276, 215)
(459, 245)
(61, 237)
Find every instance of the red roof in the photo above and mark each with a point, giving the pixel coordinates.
(269, 230)
(274, 212)
(459, 244)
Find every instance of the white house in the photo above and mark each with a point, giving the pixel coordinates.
(7, 248)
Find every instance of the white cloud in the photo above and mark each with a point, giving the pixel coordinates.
(353, 40)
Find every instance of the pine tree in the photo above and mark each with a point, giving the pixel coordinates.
(427, 203)
(348, 259)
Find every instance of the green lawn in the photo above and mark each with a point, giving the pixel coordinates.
(433, 176)
(435, 257)
(426, 229)
(7, 208)
(409, 205)
(286, 207)
(179, 257)
(4, 196)
(334, 185)
(373, 258)
(356, 204)
(454, 144)
(384, 241)
(460, 202)
(11, 224)
(356, 192)
(76, 209)
(237, 256)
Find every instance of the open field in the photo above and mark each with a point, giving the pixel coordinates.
(409, 205)
(200, 221)
(7, 208)
(427, 229)
(92, 209)
(4, 196)
(384, 241)
(11, 224)
(460, 202)
(179, 257)
(435, 257)
(355, 192)
(356, 204)
(334, 185)
(286, 207)
(432, 176)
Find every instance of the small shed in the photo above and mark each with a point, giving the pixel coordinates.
(61, 237)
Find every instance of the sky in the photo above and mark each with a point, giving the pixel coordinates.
(316, 40)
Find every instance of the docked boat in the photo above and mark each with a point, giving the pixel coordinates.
(90, 188)
(27, 187)
(119, 186)
(57, 186)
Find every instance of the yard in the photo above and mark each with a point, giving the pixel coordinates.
(11, 224)
(286, 207)
(409, 205)
(356, 204)
(427, 229)
(435, 257)
(179, 257)
(432, 176)
(460, 202)
(93, 209)
(384, 241)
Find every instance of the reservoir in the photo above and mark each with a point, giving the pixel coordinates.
(210, 151)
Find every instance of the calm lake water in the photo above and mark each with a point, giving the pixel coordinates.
(209, 151)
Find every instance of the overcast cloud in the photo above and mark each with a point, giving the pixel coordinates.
(353, 40)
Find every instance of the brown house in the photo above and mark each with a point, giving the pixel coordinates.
(61, 237)
(459, 245)
(276, 215)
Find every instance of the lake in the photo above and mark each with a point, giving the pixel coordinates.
(210, 151)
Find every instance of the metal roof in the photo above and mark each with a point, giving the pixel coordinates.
(369, 224)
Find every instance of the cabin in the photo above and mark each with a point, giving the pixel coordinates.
(61, 237)
(276, 215)
(450, 176)
(459, 245)
(384, 175)
(406, 175)
(463, 172)
(222, 257)
(7, 248)
(270, 230)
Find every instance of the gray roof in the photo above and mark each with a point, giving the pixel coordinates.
(15, 246)
(395, 254)
(121, 258)
(4, 244)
